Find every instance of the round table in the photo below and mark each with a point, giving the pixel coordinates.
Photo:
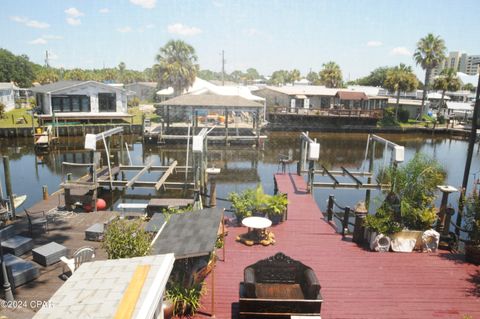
(256, 222)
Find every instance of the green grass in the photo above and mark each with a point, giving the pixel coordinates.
(137, 115)
(10, 119)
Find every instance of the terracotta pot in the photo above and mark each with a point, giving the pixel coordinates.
(167, 307)
(472, 254)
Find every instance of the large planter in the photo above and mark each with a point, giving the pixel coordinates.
(276, 218)
(472, 254)
(407, 240)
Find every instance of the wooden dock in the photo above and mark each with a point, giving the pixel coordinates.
(356, 283)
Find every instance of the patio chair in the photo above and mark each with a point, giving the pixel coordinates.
(83, 254)
(35, 221)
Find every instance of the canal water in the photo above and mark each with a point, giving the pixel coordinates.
(241, 166)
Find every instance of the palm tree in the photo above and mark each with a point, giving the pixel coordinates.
(331, 75)
(293, 76)
(447, 81)
(121, 71)
(400, 79)
(177, 66)
(429, 54)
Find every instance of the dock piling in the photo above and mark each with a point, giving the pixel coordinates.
(8, 183)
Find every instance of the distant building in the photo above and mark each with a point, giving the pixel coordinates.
(81, 100)
(319, 97)
(8, 94)
(460, 62)
(145, 91)
(414, 107)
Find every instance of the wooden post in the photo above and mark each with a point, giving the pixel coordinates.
(311, 176)
(168, 117)
(120, 161)
(257, 124)
(346, 214)
(226, 126)
(213, 192)
(359, 230)
(45, 192)
(330, 208)
(8, 183)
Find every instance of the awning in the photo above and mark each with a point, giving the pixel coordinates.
(190, 234)
(300, 96)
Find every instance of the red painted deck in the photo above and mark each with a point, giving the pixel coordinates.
(356, 283)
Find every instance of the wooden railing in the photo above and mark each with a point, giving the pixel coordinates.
(378, 113)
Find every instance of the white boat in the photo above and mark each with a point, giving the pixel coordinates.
(19, 200)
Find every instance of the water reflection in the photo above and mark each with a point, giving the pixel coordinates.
(241, 166)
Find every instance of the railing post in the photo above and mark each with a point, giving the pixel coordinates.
(311, 176)
(359, 228)
(330, 208)
(345, 221)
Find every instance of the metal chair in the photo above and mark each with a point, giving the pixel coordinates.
(35, 221)
(81, 255)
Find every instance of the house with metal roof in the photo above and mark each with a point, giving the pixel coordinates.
(81, 100)
(8, 94)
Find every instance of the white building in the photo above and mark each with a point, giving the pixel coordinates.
(460, 62)
(81, 100)
(8, 94)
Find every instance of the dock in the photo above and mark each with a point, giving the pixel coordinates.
(356, 283)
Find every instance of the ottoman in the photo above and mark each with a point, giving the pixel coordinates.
(17, 245)
(49, 254)
(19, 271)
(95, 232)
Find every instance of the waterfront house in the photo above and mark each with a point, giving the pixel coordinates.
(414, 107)
(8, 94)
(81, 100)
(145, 91)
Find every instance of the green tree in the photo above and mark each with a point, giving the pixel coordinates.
(313, 78)
(469, 87)
(76, 74)
(279, 77)
(46, 75)
(447, 81)
(237, 76)
(16, 68)
(293, 76)
(121, 72)
(177, 66)
(400, 79)
(430, 53)
(376, 78)
(126, 239)
(331, 75)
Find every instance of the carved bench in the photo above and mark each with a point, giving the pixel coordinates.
(279, 287)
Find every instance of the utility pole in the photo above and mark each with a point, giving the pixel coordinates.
(223, 68)
(46, 59)
(471, 144)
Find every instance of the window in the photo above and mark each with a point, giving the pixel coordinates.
(107, 102)
(71, 103)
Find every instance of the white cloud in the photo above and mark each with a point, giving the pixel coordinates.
(30, 23)
(38, 41)
(400, 51)
(147, 4)
(181, 29)
(124, 29)
(374, 43)
(74, 12)
(104, 10)
(73, 21)
(52, 37)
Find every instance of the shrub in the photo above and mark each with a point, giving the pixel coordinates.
(126, 239)
(185, 299)
(441, 119)
(133, 102)
(2, 110)
(388, 118)
(472, 217)
(403, 115)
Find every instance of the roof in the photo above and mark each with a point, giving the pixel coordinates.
(8, 86)
(349, 95)
(308, 90)
(436, 96)
(62, 85)
(410, 102)
(459, 106)
(149, 84)
(189, 234)
(212, 101)
(465, 78)
(368, 90)
(96, 289)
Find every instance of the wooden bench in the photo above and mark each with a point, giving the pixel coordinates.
(279, 287)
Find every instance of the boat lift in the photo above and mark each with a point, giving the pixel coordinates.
(310, 152)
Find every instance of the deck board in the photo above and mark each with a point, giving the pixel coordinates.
(356, 283)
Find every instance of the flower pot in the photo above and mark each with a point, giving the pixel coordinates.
(406, 240)
(276, 218)
(472, 254)
(379, 242)
(167, 307)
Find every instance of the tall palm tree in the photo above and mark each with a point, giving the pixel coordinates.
(447, 81)
(430, 53)
(331, 75)
(400, 79)
(293, 76)
(177, 66)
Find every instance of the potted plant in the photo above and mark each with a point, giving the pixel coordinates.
(414, 184)
(276, 208)
(381, 226)
(472, 225)
(250, 202)
(185, 299)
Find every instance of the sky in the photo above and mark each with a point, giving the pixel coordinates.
(359, 35)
